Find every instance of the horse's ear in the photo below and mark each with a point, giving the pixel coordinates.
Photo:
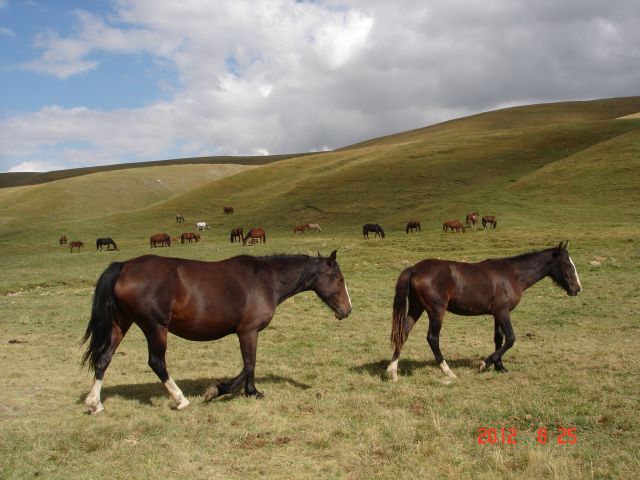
(332, 258)
(561, 245)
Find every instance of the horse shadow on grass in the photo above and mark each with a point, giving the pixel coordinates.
(144, 393)
(407, 367)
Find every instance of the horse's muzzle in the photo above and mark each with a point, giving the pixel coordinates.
(340, 315)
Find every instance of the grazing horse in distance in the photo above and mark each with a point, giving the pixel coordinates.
(106, 241)
(202, 226)
(491, 287)
(315, 227)
(201, 301)
(189, 237)
(413, 225)
(63, 240)
(472, 219)
(236, 234)
(257, 235)
(76, 245)
(453, 225)
(373, 228)
(179, 218)
(303, 227)
(159, 238)
(489, 221)
(228, 210)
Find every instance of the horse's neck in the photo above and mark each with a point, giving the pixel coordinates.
(291, 275)
(531, 268)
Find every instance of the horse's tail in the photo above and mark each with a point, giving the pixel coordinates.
(103, 315)
(400, 308)
(264, 237)
(407, 229)
(495, 223)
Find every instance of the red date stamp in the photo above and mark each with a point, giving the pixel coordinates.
(542, 436)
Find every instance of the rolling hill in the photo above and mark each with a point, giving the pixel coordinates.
(531, 165)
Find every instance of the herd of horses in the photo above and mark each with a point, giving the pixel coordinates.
(258, 236)
(203, 301)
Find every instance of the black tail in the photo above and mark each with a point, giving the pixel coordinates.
(400, 308)
(103, 315)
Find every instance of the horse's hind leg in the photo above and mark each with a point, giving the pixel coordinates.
(118, 331)
(413, 315)
(157, 341)
(433, 338)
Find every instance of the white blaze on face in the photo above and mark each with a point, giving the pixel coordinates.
(575, 271)
(348, 296)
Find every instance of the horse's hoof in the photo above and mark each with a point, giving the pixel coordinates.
(211, 393)
(95, 409)
(184, 403)
(255, 394)
(483, 367)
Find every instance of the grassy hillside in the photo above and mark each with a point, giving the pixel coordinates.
(548, 172)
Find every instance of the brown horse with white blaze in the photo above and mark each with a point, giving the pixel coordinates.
(201, 301)
(491, 287)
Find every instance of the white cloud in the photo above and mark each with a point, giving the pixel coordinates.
(277, 76)
(7, 32)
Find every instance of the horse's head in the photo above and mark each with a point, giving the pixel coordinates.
(331, 287)
(564, 272)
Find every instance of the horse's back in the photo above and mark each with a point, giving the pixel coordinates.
(464, 288)
(194, 299)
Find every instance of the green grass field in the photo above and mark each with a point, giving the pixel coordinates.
(566, 171)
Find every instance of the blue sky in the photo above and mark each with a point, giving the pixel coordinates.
(111, 81)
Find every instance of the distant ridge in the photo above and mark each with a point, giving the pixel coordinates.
(19, 179)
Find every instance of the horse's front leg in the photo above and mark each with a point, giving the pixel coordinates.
(503, 321)
(497, 339)
(248, 346)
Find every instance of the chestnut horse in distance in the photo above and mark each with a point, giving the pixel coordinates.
(257, 235)
(491, 287)
(489, 221)
(472, 220)
(413, 225)
(201, 301)
(453, 225)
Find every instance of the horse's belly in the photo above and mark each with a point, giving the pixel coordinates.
(201, 329)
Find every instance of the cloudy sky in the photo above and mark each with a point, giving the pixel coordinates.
(110, 81)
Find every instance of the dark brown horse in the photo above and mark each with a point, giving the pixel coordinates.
(489, 221)
(189, 237)
(472, 220)
(491, 287)
(160, 238)
(106, 242)
(201, 301)
(413, 225)
(236, 234)
(76, 245)
(256, 235)
(303, 227)
(63, 240)
(373, 228)
(453, 225)
(228, 210)
(179, 218)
